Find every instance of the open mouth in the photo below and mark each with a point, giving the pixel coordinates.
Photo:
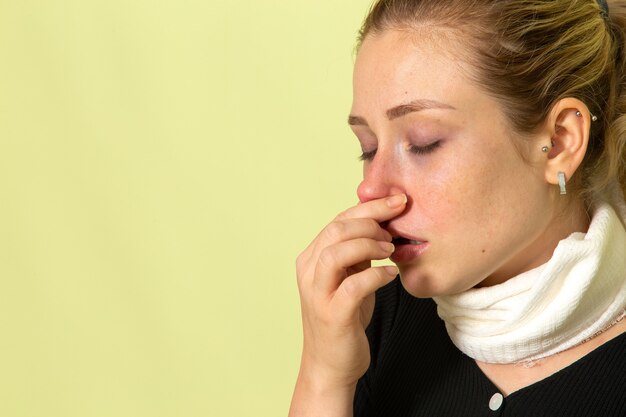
(399, 240)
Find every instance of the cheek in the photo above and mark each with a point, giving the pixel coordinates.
(434, 207)
(461, 197)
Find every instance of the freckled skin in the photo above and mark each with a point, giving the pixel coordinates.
(486, 213)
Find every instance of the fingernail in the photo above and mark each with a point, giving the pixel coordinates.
(396, 201)
(391, 270)
(386, 246)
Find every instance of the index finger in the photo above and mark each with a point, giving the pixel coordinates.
(381, 209)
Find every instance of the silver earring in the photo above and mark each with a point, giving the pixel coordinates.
(562, 183)
(594, 118)
(545, 149)
(579, 114)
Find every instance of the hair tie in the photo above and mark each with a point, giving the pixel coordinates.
(604, 7)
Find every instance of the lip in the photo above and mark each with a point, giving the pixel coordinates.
(405, 253)
(408, 252)
(397, 233)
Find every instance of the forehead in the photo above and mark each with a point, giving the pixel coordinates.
(395, 66)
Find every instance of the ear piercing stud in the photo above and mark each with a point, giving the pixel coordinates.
(594, 118)
(545, 149)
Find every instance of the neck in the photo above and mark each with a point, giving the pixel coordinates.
(579, 293)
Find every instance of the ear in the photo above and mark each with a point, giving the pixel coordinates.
(568, 125)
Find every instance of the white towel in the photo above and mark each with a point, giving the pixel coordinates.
(577, 294)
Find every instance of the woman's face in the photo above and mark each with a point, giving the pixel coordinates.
(477, 212)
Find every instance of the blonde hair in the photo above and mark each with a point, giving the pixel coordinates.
(529, 54)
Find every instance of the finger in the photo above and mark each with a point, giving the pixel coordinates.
(331, 268)
(342, 230)
(356, 288)
(381, 209)
(374, 212)
(377, 211)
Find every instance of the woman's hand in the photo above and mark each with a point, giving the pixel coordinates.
(337, 286)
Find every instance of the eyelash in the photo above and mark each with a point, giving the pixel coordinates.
(418, 150)
(423, 150)
(367, 156)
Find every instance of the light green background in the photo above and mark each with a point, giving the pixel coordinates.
(162, 163)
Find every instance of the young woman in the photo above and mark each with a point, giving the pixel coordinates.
(493, 136)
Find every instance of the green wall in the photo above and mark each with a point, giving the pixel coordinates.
(162, 163)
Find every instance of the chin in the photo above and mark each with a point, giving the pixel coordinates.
(420, 285)
(423, 284)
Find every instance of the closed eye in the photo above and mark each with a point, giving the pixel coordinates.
(418, 150)
(423, 150)
(367, 156)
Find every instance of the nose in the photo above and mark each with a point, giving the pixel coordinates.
(380, 179)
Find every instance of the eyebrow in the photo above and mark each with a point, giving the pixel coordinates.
(403, 109)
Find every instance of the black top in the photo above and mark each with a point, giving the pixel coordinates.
(417, 371)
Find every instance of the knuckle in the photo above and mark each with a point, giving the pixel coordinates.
(380, 274)
(342, 215)
(335, 230)
(351, 289)
(328, 258)
(368, 246)
(372, 224)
